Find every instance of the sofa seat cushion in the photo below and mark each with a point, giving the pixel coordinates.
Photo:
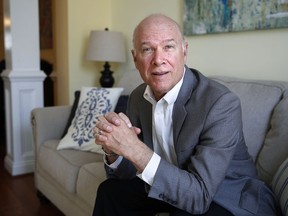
(89, 178)
(64, 165)
(258, 100)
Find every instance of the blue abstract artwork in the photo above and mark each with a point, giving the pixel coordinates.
(216, 16)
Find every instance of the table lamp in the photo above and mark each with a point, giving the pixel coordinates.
(106, 46)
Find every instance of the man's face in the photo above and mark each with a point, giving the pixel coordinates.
(160, 55)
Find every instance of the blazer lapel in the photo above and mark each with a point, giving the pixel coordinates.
(147, 123)
(179, 110)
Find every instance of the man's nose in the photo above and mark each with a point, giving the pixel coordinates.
(158, 57)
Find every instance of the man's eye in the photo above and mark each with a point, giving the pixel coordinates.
(169, 47)
(147, 49)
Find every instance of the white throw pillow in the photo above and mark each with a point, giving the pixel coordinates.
(93, 103)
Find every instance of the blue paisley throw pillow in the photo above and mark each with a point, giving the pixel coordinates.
(93, 102)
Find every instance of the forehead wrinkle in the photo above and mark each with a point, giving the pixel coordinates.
(164, 41)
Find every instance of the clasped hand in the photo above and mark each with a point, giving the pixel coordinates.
(115, 133)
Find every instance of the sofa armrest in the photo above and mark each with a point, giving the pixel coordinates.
(48, 123)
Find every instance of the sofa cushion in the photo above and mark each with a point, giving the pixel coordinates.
(280, 186)
(258, 99)
(89, 179)
(120, 107)
(93, 102)
(64, 165)
(72, 113)
(275, 149)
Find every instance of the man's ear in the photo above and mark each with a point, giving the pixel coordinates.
(185, 51)
(134, 57)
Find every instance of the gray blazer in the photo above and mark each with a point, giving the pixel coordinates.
(213, 161)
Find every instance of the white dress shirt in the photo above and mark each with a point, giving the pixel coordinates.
(162, 132)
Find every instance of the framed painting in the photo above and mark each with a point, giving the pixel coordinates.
(216, 16)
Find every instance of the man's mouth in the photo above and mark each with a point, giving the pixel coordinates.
(160, 73)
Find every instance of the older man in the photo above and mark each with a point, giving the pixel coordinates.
(180, 149)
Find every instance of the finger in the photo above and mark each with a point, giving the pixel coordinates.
(94, 132)
(99, 136)
(128, 123)
(125, 119)
(113, 118)
(136, 130)
(100, 139)
(103, 125)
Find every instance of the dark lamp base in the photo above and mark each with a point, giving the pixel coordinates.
(106, 79)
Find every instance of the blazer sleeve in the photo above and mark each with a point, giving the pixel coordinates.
(204, 146)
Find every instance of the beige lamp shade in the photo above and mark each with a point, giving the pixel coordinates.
(106, 46)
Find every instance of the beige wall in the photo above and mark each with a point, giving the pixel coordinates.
(74, 21)
(254, 54)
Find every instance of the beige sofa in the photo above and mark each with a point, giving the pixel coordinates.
(69, 178)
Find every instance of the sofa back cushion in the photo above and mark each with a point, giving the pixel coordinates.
(258, 100)
(280, 186)
(275, 148)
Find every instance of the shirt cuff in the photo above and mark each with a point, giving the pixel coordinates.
(149, 172)
(115, 164)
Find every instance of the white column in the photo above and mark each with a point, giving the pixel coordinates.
(23, 82)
